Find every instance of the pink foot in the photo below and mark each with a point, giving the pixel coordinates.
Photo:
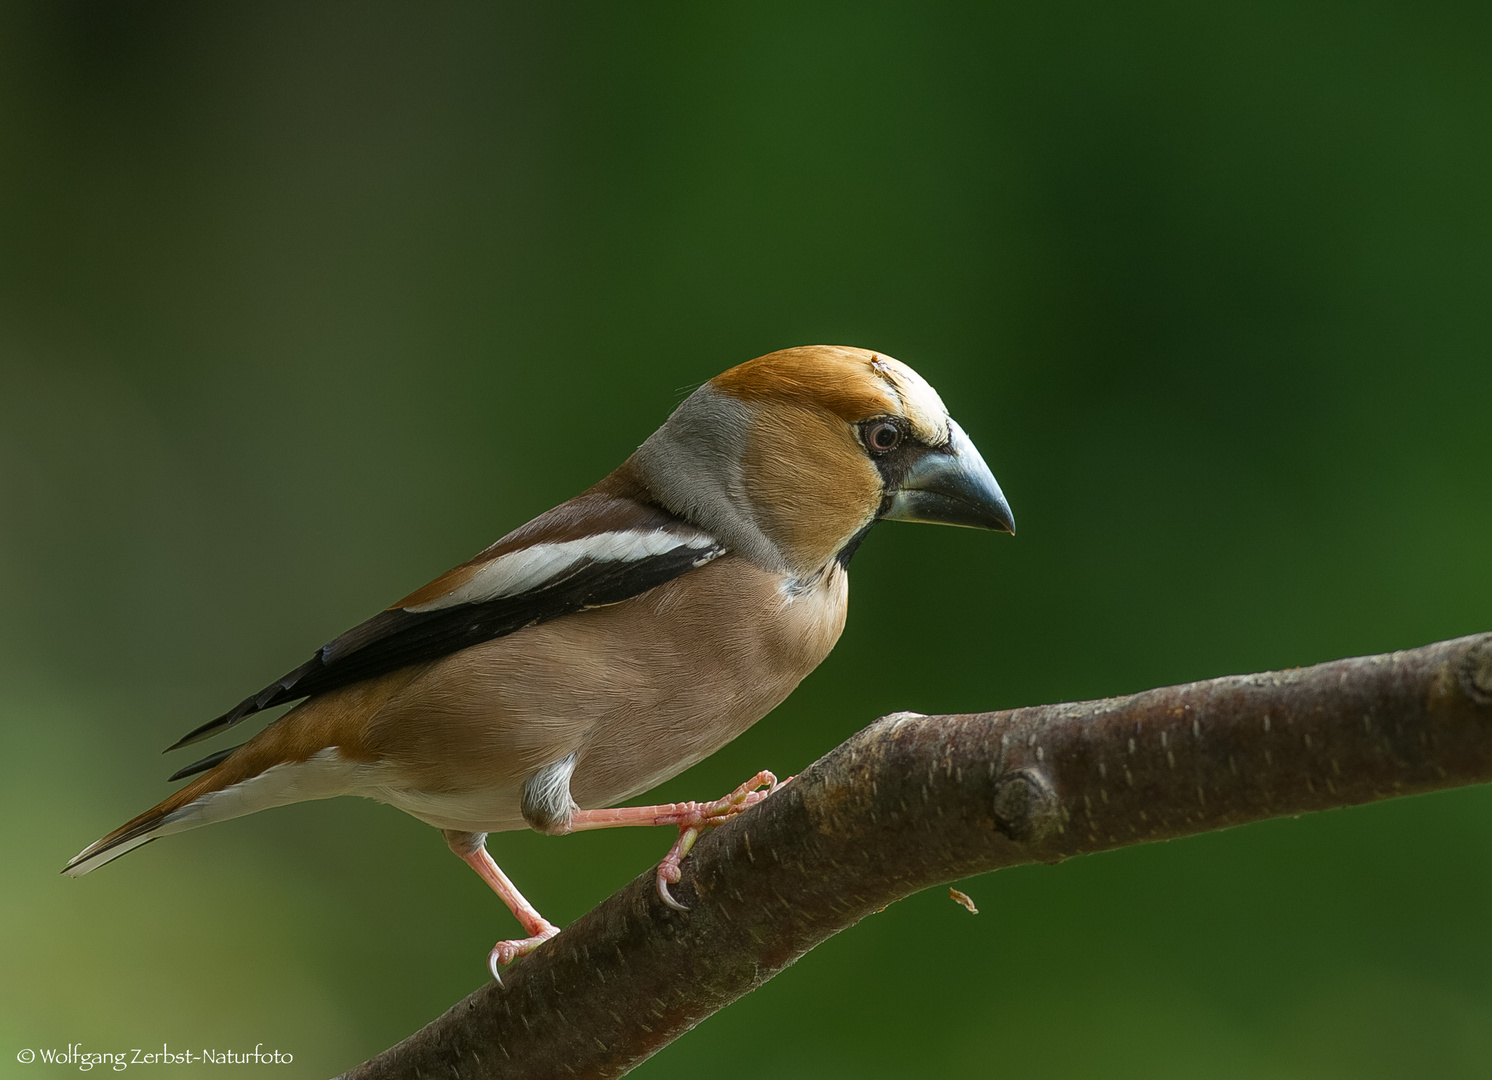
(505, 952)
(540, 929)
(691, 819)
(694, 818)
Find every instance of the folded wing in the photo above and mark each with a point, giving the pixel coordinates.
(599, 548)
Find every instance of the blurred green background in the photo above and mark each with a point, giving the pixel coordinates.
(302, 304)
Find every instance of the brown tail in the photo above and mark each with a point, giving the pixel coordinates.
(309, 753)
(141, 829)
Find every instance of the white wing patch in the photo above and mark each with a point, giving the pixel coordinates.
(532, 567)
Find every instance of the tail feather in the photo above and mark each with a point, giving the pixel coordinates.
(171, 815)
(303, 755)
(106, 850)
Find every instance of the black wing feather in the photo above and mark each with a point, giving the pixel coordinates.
(203, 765)
(396, 638)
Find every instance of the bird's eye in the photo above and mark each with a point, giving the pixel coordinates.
(882, 436)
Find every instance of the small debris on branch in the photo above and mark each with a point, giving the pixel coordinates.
(963, 898)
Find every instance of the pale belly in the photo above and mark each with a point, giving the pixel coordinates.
(638, 691)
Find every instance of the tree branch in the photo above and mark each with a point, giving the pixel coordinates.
(914, 801)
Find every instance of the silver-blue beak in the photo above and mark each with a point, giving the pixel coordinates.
(951, 485)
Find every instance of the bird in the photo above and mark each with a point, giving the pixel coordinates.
(615, 640)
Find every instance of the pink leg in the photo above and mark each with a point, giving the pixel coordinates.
(691, 818)
(539, 928)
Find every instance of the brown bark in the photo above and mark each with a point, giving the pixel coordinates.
(914, 801)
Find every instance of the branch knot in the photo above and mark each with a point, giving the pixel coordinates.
(1476, 671)
(1026, 806)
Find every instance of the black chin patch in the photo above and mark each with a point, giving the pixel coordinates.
(847, 552)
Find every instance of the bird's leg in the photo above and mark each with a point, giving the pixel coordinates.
(691, 819)
(472, 849)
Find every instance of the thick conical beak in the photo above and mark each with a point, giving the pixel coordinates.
(951, 486)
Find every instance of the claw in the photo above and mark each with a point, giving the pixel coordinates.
(693, 818)
(668, 896)
(669, 871)
(690, 818)
(505, 952)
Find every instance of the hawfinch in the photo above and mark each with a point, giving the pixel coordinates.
(616, 640)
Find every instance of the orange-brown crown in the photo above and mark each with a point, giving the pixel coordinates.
(852, 384)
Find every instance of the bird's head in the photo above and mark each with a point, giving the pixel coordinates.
(791, 457)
